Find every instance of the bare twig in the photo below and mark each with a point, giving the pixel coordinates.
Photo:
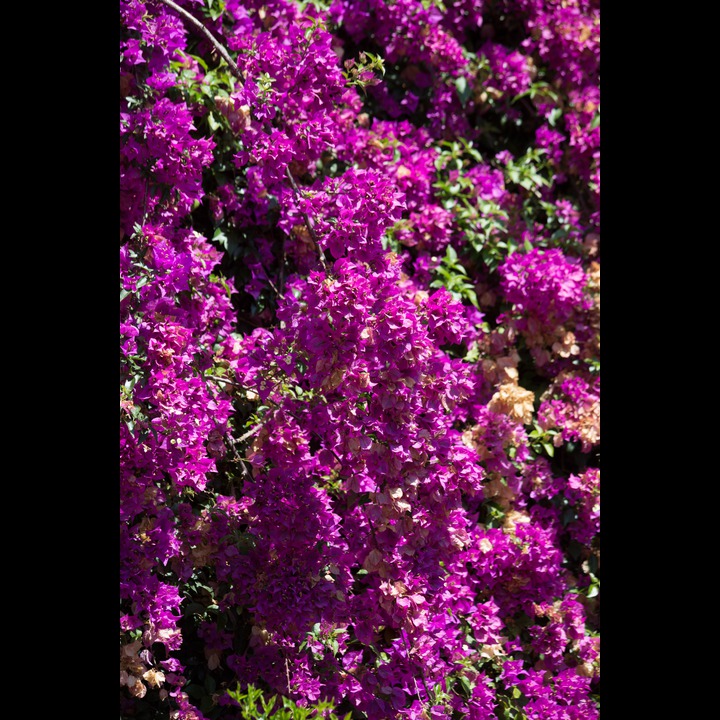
(243, 469)
(256, 253)
(249, 433)
(147, 183)
(308, 222)
(422, 674)
(287, 674)
(250, 320)
(224, 54)
(281, 280)
(217, 378)
(372, 528)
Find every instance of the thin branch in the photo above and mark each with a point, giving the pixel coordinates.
(308, 222)
(248, 434)
(287, 674)
(202, 29)
(242, 461)
(281, 280)
(147, 183)
(256, 253)
(250, 320)
(372, 528)
(217, 378)
(531, 109)
(422, 674)
(236, 72)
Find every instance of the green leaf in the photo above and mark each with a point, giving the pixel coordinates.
(212, 122)
(210, 684)
(554, 116)
(220, 238)
(217, 8)
(194, 691)
(463, 89)
(549, 449)
(193, 608)
(465, 685)
(268, 705)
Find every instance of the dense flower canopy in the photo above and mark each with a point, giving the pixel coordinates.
(359, 318)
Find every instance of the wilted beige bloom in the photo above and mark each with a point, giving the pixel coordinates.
(373, 560)
(591, 243)
(502, 369)
(565, 345)
(491, 651)
(238, 116)
(513, 518)
(136, 686)
(499, 492)
(259, 636)
(514, 401)
(131, 649)
(131, 665)
(333, 380)
(485, 545)
(155, 678)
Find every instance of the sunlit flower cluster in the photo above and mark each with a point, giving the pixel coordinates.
(359, 407)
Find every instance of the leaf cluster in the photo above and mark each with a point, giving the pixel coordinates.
(254, 704)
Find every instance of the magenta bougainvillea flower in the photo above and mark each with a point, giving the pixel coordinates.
(359, 318)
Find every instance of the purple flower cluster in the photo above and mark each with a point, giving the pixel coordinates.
(335, 481)
(544, 284)
(175, 325)
(173, 328)
(572, 404)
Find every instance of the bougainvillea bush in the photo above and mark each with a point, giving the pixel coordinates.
(359, 368)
